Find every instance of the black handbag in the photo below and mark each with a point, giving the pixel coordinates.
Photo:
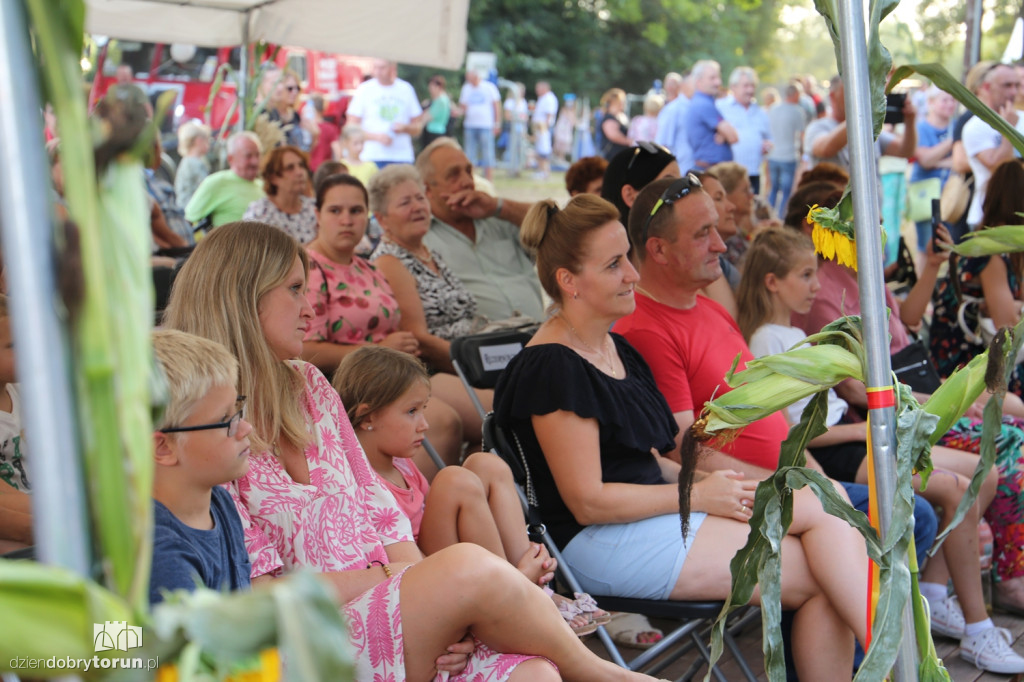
(913, 367)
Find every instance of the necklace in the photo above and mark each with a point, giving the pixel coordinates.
(426, 260)
(607, 357)
(646, 293)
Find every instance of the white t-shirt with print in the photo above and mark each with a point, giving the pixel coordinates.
(479, 101)
(380, 107)
(12, 446)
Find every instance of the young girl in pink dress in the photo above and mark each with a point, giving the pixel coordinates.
(386, 393)
(311, 499)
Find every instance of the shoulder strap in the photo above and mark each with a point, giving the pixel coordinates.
(535, 527)
(323, 274)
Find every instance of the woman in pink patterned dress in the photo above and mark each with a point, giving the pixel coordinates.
(353, 305)
(310, 498)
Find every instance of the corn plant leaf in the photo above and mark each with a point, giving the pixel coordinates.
(215, 86)
(991, 241)
(299, 614)
(930, 667)
(50, 611)
(953, 398)
(944, 80)
(999, 355)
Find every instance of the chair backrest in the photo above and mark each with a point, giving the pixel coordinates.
(482, 357)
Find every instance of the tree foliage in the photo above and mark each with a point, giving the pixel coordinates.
(587, 46)
(942, 25)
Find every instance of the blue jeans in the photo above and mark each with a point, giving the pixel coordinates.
(926, 524)
(480, 147)
(781, 174)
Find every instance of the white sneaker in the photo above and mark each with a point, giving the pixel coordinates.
(947, 617)
(990, 650)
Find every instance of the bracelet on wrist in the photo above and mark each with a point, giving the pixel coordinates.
(387, 569)
(497, 210)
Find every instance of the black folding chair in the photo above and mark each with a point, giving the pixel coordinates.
(480, 358)
(695, 617)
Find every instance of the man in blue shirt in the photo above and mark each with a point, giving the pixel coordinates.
(671, 130)
(750, 122)
(708, 133)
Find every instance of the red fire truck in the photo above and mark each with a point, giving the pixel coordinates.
(190, 71)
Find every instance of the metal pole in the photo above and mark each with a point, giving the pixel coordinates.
(972, 41)
(243, 65)
(58, 497)
(864, 179)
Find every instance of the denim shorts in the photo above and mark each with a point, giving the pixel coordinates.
(480, 147)
(641, 559)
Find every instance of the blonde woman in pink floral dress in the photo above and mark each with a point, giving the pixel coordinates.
(311, 500)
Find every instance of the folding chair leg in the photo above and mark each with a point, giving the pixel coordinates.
(469, 389)
(730, 641)
(706, 655)
(436, 458)
(737, 656)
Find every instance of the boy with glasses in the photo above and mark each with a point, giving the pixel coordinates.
(200, 442)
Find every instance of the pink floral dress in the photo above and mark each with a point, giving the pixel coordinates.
(341, 521)
(352, 304)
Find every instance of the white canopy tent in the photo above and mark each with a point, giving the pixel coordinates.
(425, 32)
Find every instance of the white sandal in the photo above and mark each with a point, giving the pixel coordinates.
(626, 628)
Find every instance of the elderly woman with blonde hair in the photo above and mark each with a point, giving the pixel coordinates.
(436, 306)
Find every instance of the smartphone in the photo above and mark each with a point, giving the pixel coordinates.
(894, 107)
(936, 218)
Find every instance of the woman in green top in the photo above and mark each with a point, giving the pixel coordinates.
(439, 111)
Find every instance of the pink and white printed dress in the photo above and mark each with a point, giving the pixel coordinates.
(341, 521)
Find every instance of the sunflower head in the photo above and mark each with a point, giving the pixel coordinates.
(832, 236)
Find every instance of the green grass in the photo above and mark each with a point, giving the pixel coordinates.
(528, 188)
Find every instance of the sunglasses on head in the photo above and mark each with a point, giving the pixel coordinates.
(652, 148)
(673, 193)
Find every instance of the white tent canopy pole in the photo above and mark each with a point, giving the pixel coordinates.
(425, 32)
(871, 281)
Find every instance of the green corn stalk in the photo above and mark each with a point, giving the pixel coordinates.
(50, 611)
(114, 242)
(208, 633)
(918, 428)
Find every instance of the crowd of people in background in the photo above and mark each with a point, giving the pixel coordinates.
(360, 249)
